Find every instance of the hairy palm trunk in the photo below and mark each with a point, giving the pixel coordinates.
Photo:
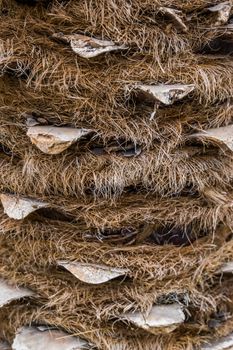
(116, 142)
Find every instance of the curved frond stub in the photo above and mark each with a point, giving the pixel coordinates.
(19, 208)
(37, 338)
(223, 135)
(225, 343)
(221, 12)
(165, 317)
(92, 273)
(166, 94)
(53, 139)
(9, 293)
(88, 47)
(176, 17)
(226, 268)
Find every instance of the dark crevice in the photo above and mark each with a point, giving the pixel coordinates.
(124, 235)
(45, 3)
(7, 151)
(173, 235)
(53, 214)
(219, 46)
(27, 2)
(14, 70)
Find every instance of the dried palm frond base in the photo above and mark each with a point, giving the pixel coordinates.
(116, 175)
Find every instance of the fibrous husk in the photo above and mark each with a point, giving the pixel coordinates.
(40, 338)
(176, 17)
(223, 135)
(218, 197)
(88, 47)
(161, 318)
(54, 140)
(166, 94)
(222, 12)
(141, 214)
(9, 293)
(18, 208)
(92, 273)
(225, 343)
(226, 268)
(4, 346)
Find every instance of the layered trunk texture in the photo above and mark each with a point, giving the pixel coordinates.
(116, 173)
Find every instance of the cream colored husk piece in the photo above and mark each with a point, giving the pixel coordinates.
(9, 293)
(88, 47)
(223, 134)
(222, 11)
(19, 208)
(160, 316)
(92, 273)
(166, 94)
(54, 140)
(32, 338)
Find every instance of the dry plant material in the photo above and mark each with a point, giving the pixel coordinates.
(88, 47)
(165, 94)
(176, 16)
(92, 273)
(4, 346)
(133, 219)
(226, 268)
(161, 318)
(41, 338)
(131, 151)
(217, 197)
(9, 293)
(221, 13)
(54, 140)
(19, 208)
(225, 343)
(222, 135)
(128, 150)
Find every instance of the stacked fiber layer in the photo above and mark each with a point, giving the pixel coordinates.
(116, 140)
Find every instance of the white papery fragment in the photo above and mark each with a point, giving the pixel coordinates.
(167, 317)
(19, 208)
(223, 135)
(222, 12)
(92, 273)
(225, 343)
(37, 338)
(88, 47)
(166, 94)
(9, 293)
(53, 139)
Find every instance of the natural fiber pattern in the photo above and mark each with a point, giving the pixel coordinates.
(139, 191)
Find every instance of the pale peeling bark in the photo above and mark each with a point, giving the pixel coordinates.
(166, 94)
(19, 208)
(88, 47)
(9, 293)
(92, 273)
(164, 317)
(223, 135)
(55, 140)
(222, 12)
(39, 338)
